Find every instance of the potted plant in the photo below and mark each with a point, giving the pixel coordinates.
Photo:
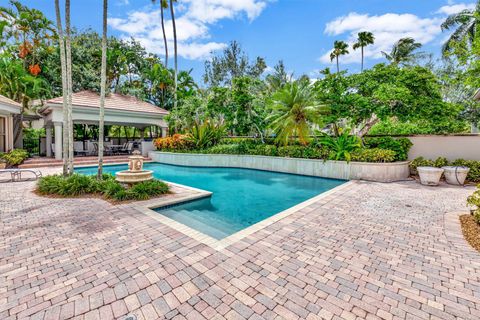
(456, 174)
(430, 176)
(3, 163)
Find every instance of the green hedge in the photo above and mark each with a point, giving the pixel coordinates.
(295, 151)
(373, 155)
(401, 146)
(108, 187)
(473, 174)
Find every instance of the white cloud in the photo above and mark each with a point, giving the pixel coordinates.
(387, 29)
(193, 19)
(455, 8)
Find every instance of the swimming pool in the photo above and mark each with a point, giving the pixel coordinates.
(241, 197)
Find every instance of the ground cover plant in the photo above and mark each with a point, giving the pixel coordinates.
(107, 187)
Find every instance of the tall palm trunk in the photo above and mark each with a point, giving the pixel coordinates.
(175, 52)
(338, 65)
(103, 79)
(61, 45)
(164, 34)
(68, 51)
(361, 69)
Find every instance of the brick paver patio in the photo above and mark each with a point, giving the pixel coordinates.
(371, 251)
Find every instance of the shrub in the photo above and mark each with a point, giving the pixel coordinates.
(108, 187)
(401, 146)
(474, 201)
(373, 155)
(175, 142)
(15, 157)
(474, 173)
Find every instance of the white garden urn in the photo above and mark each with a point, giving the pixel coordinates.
(456, 175)
(430, 176)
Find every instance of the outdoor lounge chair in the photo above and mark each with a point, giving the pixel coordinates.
(16, 174)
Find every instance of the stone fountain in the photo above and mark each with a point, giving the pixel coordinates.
(135, 172)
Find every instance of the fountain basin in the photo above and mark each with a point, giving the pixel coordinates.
(130, 177)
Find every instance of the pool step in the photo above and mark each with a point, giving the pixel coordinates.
(196, 219)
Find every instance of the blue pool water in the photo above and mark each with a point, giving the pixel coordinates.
(241, 197)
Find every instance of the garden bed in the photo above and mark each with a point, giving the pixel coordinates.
(471, 230)
(108, 188)
(380, 172)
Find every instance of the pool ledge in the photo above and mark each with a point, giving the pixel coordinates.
(225, 242)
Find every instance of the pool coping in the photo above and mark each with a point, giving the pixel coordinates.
(233, 238)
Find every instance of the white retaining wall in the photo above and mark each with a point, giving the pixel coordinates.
(381, 172)
(451, 147)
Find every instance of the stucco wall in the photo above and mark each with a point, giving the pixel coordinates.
(451, 147)
(382, 172)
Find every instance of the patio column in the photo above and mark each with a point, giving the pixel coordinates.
(58, 140)
(48, 143)
(164, 132)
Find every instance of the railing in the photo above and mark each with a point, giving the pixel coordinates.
(32, 146)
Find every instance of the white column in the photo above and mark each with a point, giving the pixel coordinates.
(58, 140)
(48, 143)
(164, 132)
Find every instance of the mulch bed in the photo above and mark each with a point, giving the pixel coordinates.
(471, 231)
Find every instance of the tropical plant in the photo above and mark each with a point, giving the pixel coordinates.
(364, 39)
(466, 24)
(14, 157)
(103, 79)
(294, 110)
(206, 134)
(343, 145)
(340, 48)
(403, 52)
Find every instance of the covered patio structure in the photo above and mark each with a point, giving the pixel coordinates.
(120, 110)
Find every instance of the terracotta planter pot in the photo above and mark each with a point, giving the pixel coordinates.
(430, 176)
(3, 165)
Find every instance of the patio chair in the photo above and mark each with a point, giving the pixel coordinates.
(123, 149)
(16, 174)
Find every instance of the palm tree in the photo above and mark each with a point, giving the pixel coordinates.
(365, 38)
(163, 5)
(68, 51)
(63, 63)
(340, 48)
(175, 52)
(294, 110)
(467, 24)
(103, 83)
(403, 51)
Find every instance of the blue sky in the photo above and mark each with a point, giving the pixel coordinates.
(300, 32)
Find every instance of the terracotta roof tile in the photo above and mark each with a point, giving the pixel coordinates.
(112, 101)
(9, 102)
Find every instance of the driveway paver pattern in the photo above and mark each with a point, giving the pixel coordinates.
(371, 251)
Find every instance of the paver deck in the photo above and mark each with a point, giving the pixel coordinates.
(371, 251)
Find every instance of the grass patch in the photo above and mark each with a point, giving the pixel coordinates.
(108, 188)
(471, 230)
